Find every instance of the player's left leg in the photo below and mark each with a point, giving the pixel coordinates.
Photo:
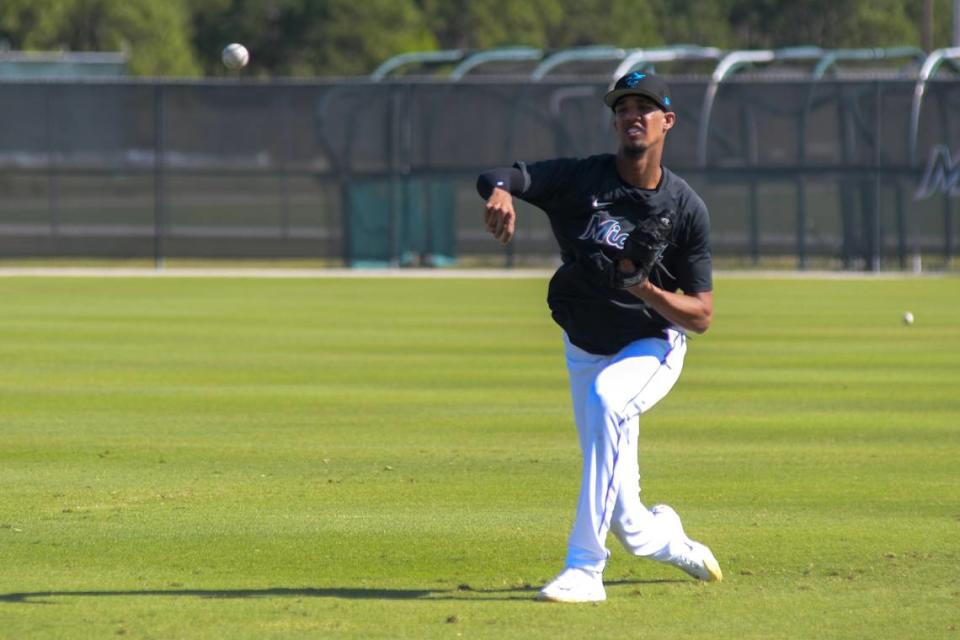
(609, 392)
(656, 533)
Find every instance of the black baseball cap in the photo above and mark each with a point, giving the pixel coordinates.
(636, 83)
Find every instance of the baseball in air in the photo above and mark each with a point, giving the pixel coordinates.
(235, 56)
(908, 318)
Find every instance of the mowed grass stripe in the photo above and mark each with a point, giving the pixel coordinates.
(395, 458)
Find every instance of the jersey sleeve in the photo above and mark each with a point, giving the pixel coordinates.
(696, 268)
(548, 181)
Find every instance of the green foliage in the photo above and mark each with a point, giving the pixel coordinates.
(274, 32)
(942, 20)
(545, 24)
(309, 37)
(704, 22)
(605, 22)
(347, 37)
(153, 31)
(466, 24)
(351, 38)
(395, 458)
(825, 23)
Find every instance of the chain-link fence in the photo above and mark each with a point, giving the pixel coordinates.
(359, 172)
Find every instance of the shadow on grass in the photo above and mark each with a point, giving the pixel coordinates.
(463, 592)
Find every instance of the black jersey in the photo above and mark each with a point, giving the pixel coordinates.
(591, 208)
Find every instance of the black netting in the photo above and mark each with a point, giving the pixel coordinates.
(368, 173)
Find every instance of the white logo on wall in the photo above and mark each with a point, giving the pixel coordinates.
(942, 174)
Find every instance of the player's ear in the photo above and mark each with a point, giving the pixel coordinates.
(669, 119)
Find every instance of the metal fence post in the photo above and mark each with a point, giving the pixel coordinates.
(754, 222)
(159, 183)
(901, 226)
(396, 188)
(284, 117)
(53, 175)
(876, 239)
(949, 246)
(801, 223)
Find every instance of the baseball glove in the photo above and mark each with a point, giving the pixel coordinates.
(643, 247)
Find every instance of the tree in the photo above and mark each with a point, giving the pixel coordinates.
(353, 37)
(824, 23)
(153, 31)
(706, 22)
(942, 20)
(471, 24)
(309, 37)
(591, 22)
(269, 29)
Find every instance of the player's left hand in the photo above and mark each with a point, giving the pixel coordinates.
(639, 289)
(642, 249)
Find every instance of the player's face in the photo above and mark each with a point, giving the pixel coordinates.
(640, 123)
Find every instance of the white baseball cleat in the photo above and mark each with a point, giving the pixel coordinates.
(574, 585)
(692, 557)
(696, 559)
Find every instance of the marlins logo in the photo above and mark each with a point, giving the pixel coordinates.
(942, 174)
(603, 229)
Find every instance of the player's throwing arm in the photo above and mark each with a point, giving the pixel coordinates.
(497, 187)
(500, 216)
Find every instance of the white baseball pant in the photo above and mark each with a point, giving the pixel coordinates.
(609, 394)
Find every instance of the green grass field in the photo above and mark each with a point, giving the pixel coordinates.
(243, 458)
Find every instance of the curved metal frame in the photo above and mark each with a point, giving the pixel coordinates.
(732, 62)
(665, 54)
(930, 66)
(518, 54)
(831, 58)
(578, 54)
(416, 57)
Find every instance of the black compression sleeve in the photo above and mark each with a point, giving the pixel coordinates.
(509, 179)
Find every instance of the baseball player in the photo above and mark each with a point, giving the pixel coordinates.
(636, 278)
